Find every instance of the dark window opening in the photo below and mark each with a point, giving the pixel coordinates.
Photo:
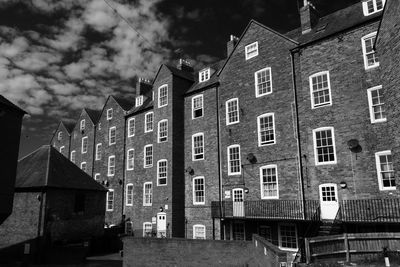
(79, 203)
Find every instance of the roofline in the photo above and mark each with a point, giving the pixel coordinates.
(371, 20)
(380, 24)
(46, 187)
(85, 109)
(139, 111)
(48, 165)
(202, 89)
(32, 152)
(245, 31)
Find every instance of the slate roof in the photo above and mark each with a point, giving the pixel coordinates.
(47, 168)
(147, 104)
(124, 103)
(213, 78)
(4, 101)
(69, 125)
(180, 73)
(334, 23)
(94, 115)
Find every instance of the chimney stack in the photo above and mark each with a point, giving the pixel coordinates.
(308, 17)
(185, 65)
(143, 87)
(231, 44)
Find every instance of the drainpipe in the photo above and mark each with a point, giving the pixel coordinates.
(303, 201)
(123, 172)
(219, 162)
(94, 147)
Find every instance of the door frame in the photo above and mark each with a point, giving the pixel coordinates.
(321, 201)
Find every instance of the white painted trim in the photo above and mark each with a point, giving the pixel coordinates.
(256, 81)
(371, 110)
(193, 155)
(202, 106)
(201, 226)
(130, 159)
(314, 131)
(146, 121)
(372, 34)
(159, 89)
(97, 155)
(158, 131)
(277, 181)
(109, 114)
(376, 10)
(229, 163)
(204, 191)
(280, 237)
(226, 111)
(126, 195)
(259, 129)
(206, 76)
(144, 194)
(113, 197)
(144, 156)
(109, 135)
(130, 120)
(247, 48)
(144, 227)
(109, 174)
(313, 106)
(158, 172)
(87, 144)
(378, 170)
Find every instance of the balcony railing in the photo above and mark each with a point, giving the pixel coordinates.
(266, 209)
(358, 210)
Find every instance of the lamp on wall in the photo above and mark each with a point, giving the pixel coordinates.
(246, 190)
(343, 184)
(161, 209)
(189, 170)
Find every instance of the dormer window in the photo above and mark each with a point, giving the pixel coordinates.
(372, 6)
(251, 50)
(59, 137)
(109, 113)
(139, 101)
(204, 75)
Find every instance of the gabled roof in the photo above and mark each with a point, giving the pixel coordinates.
(47, 168)
(147, 104)
(125, 103)
(388, 4)
(69, 125)
(244, 33)
(214, 79)
(4, 101)
(94, 115)
(175, 71)
(333, 23)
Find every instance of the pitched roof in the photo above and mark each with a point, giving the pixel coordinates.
(124, 103)
(69, 125)
(333, 23)
(4, 101)
(94, 115)
(147, 104)
(197, 86)
(177, 72)
(47, 168)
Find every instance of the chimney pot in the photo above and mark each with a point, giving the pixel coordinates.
(308, 17)
(233, 40)
(185, 65)
(143, 86)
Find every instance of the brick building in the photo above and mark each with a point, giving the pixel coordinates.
(11, 120)
(61, 139)
(54, 201)
(287, 137)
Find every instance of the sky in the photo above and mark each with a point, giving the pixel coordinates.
(57, 57)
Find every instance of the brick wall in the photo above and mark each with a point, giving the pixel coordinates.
(349, 115)
(65, 140)
(101, 166)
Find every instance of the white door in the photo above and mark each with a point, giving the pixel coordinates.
(161, 224)
(328, 201)
(238, 202)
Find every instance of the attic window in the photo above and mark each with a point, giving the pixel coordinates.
(82, 125)
(204, 75)
(59, 135)
(251, 50)
(139, 101)
(109, 113)
(372, 6)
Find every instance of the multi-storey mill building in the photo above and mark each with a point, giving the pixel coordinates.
(286, 137)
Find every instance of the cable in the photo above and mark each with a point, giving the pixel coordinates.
(129, 24)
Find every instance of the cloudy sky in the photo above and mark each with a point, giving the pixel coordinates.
(57, 57)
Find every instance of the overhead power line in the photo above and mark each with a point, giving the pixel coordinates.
(127, 22)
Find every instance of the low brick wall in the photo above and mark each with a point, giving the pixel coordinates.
(190, 252)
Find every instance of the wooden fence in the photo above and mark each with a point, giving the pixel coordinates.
(350, 244)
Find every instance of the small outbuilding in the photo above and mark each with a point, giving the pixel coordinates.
(54, 202)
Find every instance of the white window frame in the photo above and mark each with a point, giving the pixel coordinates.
(109, 166)
(227, 111)
(370, 104)
(83, 163)
(96, 176)
(73, 156)
(158, 131)
(247, 48)
(158, 172)
(280, 237)
(127, 193)
(195, 109)
(193, 148)
(268, 69)
(229, 160)
(139, 101)
(59, 136)
(194, 231)
(130, 161)
(194, 191)
(98, 151)
(131, 127)
(83, 151)
(364, 51)
(144, 156)
(314, 131)
(270, 166)
(204, 75)
(376, 10)
(144, 228)
(82, 125)
(109, 114)
(148, 204)
(160, 105)
(313, 105)
(112, 200)
(148, 123)
(379, 170)
(62, 149)
(109, 136)
(259, 129)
